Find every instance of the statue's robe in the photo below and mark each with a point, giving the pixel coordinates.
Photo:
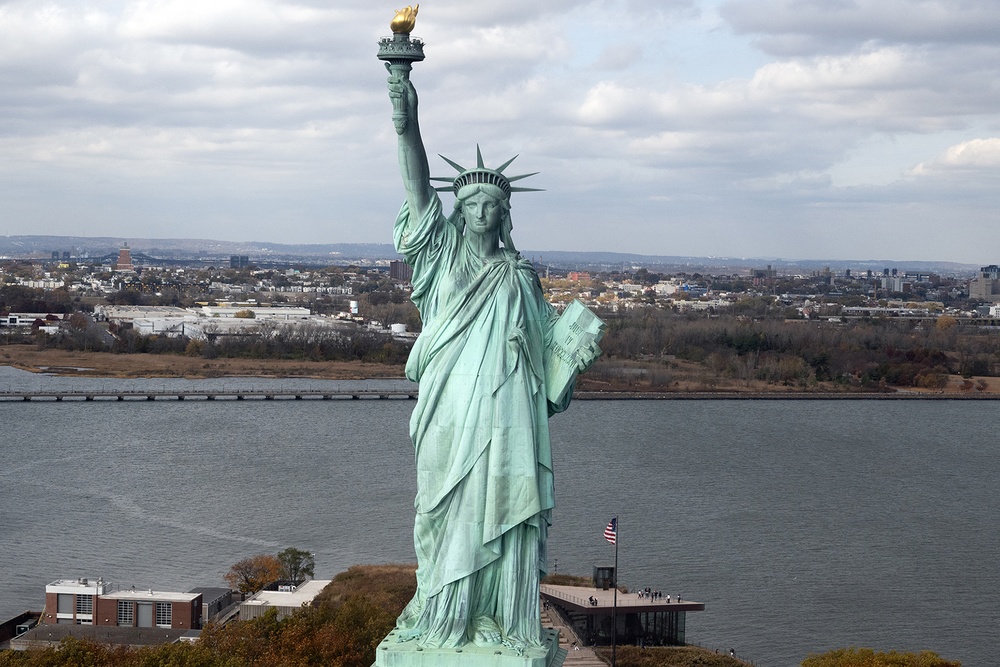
(480, 433)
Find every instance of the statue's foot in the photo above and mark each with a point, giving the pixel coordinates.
(516, 646)
(486, 632)
(407, 635)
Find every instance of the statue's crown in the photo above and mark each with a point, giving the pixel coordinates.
(481, 175)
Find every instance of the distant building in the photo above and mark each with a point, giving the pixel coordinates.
(27, 320)
(239, 261)
(400, 271)
(124, 262)
(665, 288)
(986, 286)
(894, 283)
(763, 276)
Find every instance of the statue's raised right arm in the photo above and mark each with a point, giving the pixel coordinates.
(412, 156)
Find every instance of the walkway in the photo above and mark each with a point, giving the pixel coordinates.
(585, 657)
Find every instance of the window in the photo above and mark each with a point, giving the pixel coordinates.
(126, 613)
(164, 615)
(85, 604)
(65, 604)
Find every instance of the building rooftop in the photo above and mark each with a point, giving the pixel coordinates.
(597, 599)
(211, 593)
(149, 594)
(82, 585)
(301, 595)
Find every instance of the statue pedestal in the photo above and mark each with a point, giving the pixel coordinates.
(391, 653)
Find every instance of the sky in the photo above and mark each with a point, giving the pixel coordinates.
(791, 129)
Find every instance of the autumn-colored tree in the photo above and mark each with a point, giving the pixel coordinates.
(945, 322)
(254, 573)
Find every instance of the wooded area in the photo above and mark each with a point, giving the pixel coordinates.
(661, 350)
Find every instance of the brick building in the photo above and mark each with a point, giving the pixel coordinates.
(95, 602)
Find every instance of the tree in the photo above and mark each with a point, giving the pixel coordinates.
(296, 564)
(254, 573)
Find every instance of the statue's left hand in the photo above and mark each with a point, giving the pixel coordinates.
(587, 356)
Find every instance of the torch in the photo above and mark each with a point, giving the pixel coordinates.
(399, 52)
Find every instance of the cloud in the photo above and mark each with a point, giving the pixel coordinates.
(662, 120)
(975, 155)
(810, 27)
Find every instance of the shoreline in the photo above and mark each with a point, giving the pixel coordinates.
(152, 366)
(778, 396)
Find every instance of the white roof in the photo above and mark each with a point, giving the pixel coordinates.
(86, 586)
(158, 596)
(303, 594)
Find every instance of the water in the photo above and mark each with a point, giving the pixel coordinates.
(803, 526)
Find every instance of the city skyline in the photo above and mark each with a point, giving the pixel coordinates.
(774, 128)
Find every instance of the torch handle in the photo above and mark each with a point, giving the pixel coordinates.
(400, 70)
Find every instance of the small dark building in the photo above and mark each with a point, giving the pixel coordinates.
(213, 602)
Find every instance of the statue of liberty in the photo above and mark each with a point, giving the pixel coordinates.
(480, 426)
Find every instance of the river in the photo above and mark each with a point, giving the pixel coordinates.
(802, 525)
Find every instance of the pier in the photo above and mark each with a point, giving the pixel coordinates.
(163, 394)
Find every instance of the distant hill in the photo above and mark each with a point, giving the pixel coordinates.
(340, 253)
(99, 246)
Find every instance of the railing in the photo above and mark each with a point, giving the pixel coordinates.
(624, 599)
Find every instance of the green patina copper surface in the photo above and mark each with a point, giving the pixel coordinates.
(480, 426)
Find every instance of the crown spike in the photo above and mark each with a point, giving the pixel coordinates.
(479, 158)
(506, 164)
(459, 168)
(517, 178)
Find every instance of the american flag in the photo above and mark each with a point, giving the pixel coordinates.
(611, 532)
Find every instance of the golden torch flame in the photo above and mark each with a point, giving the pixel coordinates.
(404, 20)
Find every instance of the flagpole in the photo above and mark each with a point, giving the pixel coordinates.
(614, 607)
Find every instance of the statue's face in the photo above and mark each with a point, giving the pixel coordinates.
(483, 213)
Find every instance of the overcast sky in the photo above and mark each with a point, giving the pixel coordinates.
(808, 129)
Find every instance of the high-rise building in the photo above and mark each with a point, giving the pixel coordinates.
(986, 286)
(124, 262)
(400, 271)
